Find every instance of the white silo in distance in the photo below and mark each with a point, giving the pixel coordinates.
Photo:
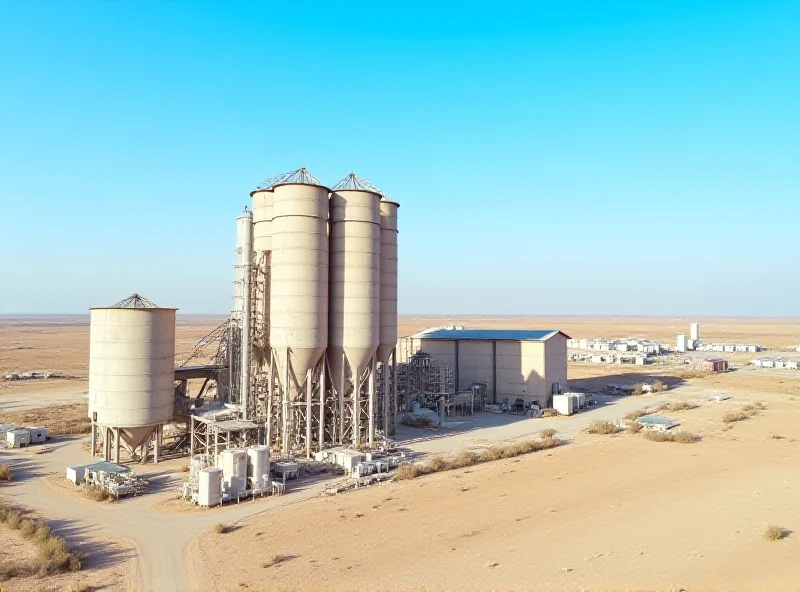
(131, 375)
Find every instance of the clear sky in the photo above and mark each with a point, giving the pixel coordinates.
(556, 157)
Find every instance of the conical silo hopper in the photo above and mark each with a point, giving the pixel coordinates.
(299, 276)
(354, 279)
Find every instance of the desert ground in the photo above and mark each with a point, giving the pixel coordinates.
(600, 512)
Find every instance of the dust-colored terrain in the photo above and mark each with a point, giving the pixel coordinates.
(600, 513)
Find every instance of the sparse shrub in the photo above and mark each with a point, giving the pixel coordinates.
(274, 560)
(465, 458)
(599, 426)
(185, 469)
(96, 494)
(27, 528)
(637, 414)
(676, 406)
(658, 386)
(549, 412)
(681, 437)
(548, 433)
(774, 533)
(634, 427)
(638, 389)
(14, 519)
(407, 471)
(82, 588)
(6, 474)
(42, 532)
(220, 528)
(733, 416)
(436, 464)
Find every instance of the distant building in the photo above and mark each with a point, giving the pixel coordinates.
(682, 345)
(694, 332)
(711, 365)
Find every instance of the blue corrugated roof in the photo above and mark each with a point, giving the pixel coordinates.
(488, 334)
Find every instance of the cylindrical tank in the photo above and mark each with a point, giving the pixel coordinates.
(354, 279)
(299, 282)
(233, 463)
(257, 464)
(209, 487)
(262, 219)
(388, 332)
(132, 364)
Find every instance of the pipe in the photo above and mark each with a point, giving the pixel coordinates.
(322, 405)
(356, 408)
(308, 413)
(373, 370)
(341, 400)
(393, 410)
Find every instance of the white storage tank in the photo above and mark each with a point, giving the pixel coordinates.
(233, 463)
(564, 404)
(258, 465)
(132, 368)
(209, 492)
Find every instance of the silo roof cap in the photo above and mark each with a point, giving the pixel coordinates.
(135, 300)
(353, 182)
(299, 176)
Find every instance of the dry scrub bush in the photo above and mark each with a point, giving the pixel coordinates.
(465, 458)
(637, 414)
(638, 389)
(680, 437)
(436, 464)
(6, 474)
(659, 386)
(745, 412)
(220, 528)
(599, 426)
(549, 412)
(409, 470)
(676, 406)
(548, 433)
(274, 560)
(774, 533)
(96, 494)
(634, 427)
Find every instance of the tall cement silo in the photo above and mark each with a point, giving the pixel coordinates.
(354, 303)
(131, 374)
(299, 299)
(388, 316)
(243, 311)
(263, 199)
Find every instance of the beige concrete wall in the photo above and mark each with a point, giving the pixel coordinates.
(556, 362)
(525, 370)
(475, 364)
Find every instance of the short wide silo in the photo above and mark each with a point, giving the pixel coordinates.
(353, 336)
(131, 372)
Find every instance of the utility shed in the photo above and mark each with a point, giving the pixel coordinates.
(515, 364)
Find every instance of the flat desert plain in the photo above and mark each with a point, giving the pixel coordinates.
(600, 512)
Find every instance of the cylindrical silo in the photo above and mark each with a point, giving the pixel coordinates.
(243, 305)
(262, 219)
(131, 370)
(263, 198)
(388, 331)
(299, 283)
(353, 336)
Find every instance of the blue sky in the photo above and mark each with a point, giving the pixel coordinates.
(550, 157)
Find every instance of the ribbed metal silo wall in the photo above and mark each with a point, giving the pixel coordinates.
(262, 265)
(388, 314)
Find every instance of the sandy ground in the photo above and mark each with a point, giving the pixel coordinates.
(612, 512)
(602, 513)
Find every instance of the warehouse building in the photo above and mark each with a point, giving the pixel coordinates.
(515, 364)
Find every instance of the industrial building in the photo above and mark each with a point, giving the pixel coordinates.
(711, 365)
(530, 365)
(306, 360)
